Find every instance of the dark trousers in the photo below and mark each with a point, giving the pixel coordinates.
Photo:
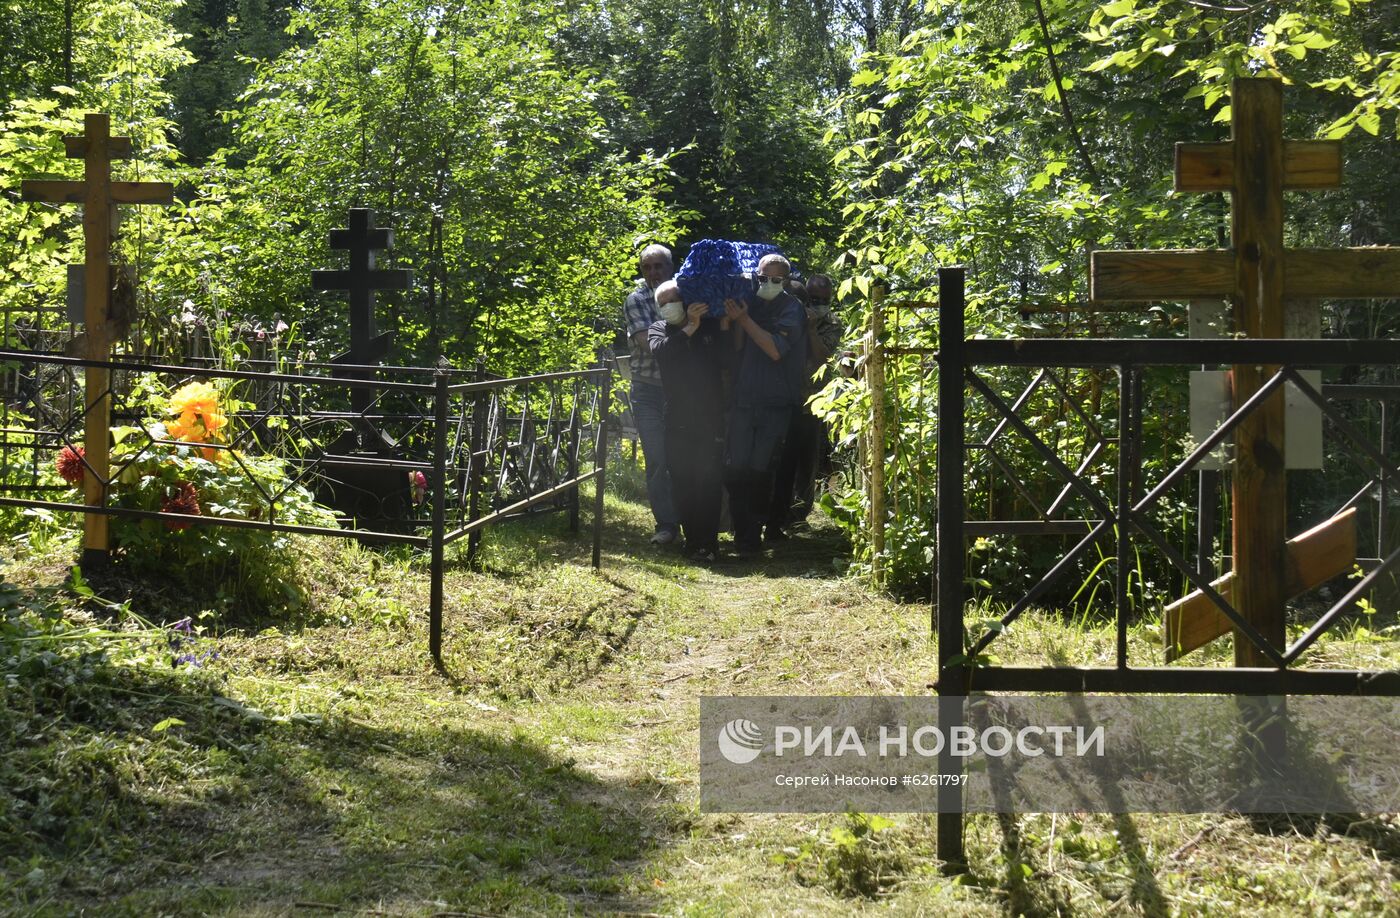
(795, 479)
(753, 446)
(696, 455)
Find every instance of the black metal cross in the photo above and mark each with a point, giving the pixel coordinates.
(361, 280)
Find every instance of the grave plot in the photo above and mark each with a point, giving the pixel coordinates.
(1114, 508)
(421, 456)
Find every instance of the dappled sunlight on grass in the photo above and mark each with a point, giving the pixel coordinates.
(550, 765)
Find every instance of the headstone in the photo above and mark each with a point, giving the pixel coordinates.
(1210, 389)
(358, 480)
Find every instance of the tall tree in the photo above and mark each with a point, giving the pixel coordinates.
(226, 38)
(967, 145)
(735, 89)
(459, 126)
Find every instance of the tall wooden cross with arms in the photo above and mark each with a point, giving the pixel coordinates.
(97, 193)
(1256, 274)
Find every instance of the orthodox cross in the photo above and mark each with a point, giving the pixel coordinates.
(1256, 273)
(361, 280)
(97, 193)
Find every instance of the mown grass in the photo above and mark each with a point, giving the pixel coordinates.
(321, 763)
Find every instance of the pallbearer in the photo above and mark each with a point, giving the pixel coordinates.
(807, 450)
(688, 345)
(768, 386)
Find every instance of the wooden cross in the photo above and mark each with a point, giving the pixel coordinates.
(1256, 273)
(97, 193)
(361, 281)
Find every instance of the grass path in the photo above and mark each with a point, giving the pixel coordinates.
(551, 766)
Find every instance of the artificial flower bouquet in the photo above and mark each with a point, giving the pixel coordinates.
(184, 458)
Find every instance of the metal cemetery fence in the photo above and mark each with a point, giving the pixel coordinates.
(1119, 517)
(488, 449)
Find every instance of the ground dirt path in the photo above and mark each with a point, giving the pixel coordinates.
(550, 765)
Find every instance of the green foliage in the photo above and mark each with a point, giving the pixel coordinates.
(512, 203)
(861, 858)
(1334, 45)
(39, 239)
(957, 147)
(734, 91)
(460, 128)
(33, 38)
(83, 718)
(227, 38)
(523, 152)
(123, 53)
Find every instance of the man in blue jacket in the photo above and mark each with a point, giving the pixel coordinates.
(769, 384)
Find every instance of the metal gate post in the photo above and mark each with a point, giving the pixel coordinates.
(600, 460)
(476, 466)
(440, 396)
(1127, 459)
(875, 454)
(952, 675)
(575, 419)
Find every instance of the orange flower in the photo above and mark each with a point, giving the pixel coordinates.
(186, 427)
(195, 398)
(199, 417)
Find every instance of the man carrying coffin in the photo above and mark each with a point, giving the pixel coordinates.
(807, 448)
(769, 385)
(690, 346)
(648, 398)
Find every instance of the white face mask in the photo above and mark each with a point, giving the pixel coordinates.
(672, 312)
(769, 291)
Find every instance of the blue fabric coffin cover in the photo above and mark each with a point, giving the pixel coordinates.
(714, 271)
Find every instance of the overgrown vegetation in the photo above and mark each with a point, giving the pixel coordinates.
(550, 766)
(193, 743)
(523, 152)
(1013, 138)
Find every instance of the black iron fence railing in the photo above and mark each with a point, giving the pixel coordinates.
(434, 456)
(1114, 510)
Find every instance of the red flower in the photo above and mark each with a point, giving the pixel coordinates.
(184, 500)
(70, 464)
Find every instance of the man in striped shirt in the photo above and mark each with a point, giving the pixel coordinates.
(648, 398)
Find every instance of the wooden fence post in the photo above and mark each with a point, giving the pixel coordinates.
(875, 455)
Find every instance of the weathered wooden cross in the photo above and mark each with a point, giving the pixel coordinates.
(361, 281)
(97, 193)
(1256, 166)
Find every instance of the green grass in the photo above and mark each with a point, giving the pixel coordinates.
(323, 764)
